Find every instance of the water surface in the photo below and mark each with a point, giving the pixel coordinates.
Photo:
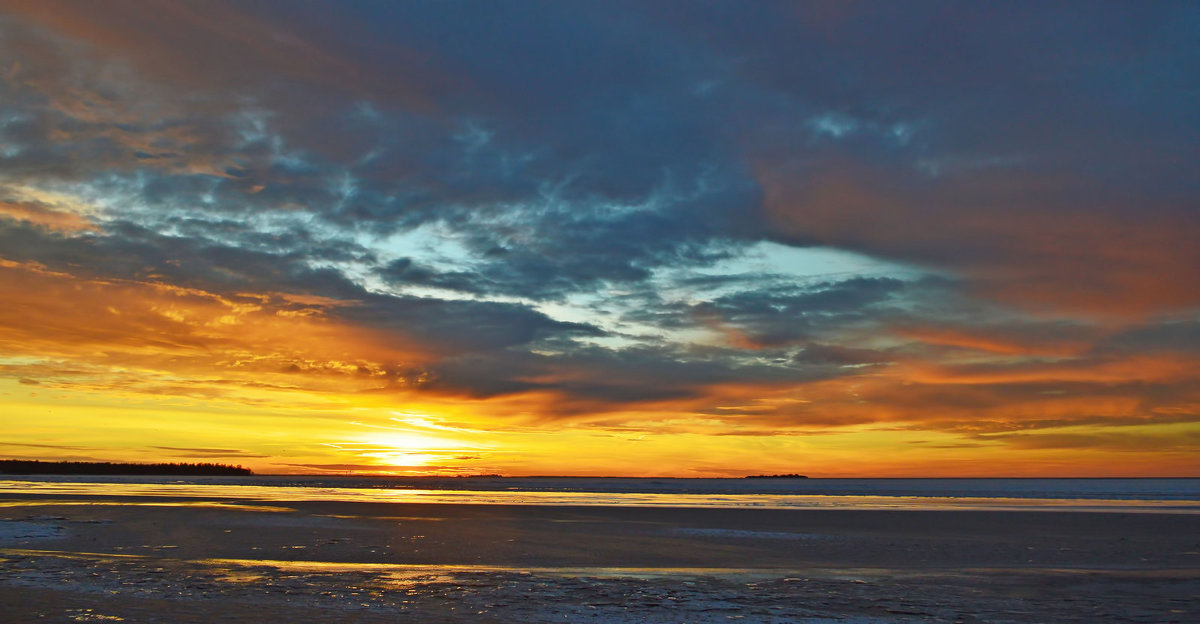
(1175, 495)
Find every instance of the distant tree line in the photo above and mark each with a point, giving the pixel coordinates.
(23, 467)
(778, 476)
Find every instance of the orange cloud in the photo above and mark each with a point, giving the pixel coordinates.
(45, 216)
(1018, 237)
(982, 340)
(1125, 369)
(222, 45)
(156, 338)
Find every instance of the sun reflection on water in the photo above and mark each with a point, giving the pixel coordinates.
(285, 494)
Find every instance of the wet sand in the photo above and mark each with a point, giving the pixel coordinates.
(183, 560)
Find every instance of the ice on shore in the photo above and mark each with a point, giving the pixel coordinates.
(18, 530)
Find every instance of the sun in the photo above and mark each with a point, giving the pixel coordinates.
(401, 450)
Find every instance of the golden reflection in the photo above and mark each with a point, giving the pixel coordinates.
(598, 499)
(125, 503)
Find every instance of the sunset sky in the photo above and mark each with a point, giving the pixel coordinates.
(603, 237)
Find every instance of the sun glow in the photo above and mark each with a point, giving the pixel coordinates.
(403, 459)
(401, 450)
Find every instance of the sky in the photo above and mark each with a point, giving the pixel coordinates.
(664, 238)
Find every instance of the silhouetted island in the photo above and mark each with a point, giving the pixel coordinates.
(778, 476)
(23, 467)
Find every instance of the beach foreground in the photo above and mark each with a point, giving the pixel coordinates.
(147, 559)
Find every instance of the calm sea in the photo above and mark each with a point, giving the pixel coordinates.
(1033, 494)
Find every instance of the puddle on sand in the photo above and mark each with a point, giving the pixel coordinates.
(65, 554)
(238, 576)
(425, 572)
(249, 570)
(88, 615)
(203, 504)
(246, 568)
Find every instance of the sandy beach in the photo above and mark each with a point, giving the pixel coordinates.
(144, 559)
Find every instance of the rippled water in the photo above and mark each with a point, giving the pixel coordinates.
(1081, 494)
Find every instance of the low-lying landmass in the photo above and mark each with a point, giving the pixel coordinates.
(778, 476)
(34, 467)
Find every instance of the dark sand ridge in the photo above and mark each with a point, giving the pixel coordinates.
(159, 558)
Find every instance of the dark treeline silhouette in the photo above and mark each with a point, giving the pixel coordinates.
(17, 466)
(778, 476)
